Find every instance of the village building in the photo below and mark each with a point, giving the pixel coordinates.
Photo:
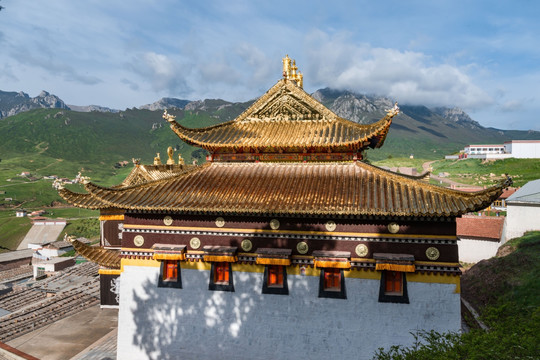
(519, 149)
(479, 237)
(284, 244)
(523, 210)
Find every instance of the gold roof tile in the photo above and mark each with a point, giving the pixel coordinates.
(288, 119)
(352, 188)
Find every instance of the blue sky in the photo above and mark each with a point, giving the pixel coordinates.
(481, 56)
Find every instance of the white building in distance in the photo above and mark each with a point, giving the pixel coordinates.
(520, 149)
(523, 210)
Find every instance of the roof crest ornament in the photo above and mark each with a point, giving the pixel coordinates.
(170, 118)
(291, 73)
(393, 111)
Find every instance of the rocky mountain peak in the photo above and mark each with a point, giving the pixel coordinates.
(165, 103)
(12, 103)
(457, 115)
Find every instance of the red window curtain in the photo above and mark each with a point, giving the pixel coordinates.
(221, 273)
(171, 270)
(275, 275)
(332, 279)
(394, 282)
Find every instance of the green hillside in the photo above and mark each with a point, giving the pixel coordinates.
(48, 142)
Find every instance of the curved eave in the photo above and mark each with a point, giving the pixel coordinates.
(333, 189)
(103, 257)
(87, 201)
(234, 134)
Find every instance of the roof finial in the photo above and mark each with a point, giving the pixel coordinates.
(170, 153)
(286, 67)
(393, 111)
(290, 72)
(168, 117)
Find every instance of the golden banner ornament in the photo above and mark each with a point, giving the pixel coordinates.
(393, 228)
(274, 224)
(432, 253)
(195, 243)
(247, 245)
(302, 247)
(220, 222)
(138, 240)
(330, 225)
(167, 220)
(361, 250)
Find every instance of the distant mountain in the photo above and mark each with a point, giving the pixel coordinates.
(417, 130)
(165, 103)
(90, 108)
(12, 103)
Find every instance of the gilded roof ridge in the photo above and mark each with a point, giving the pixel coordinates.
(91, 187)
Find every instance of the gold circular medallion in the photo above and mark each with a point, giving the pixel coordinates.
(361, 250)
(274, 224)
(195, 243)
(302, 247)
(247, 245)
(432, 253)
(220, 222)
(330, 225)
(138, 240)
(393, 228)
(167, 220)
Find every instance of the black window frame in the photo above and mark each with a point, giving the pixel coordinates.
(284, 290)
(390, 298)
(341, 294)
(177, 284)
(212, 286)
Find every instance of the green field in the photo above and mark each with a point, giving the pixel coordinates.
(12, 230)
(478, 172)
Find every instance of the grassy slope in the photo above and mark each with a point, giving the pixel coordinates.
(13, 230)
(474, 171)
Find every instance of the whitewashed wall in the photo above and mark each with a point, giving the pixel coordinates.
(473, 251)
(521, 218)
(195, 323)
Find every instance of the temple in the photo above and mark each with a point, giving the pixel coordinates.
(283, 244)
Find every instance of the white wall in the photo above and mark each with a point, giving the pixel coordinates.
(524, 150)
(521, 218)
(473, 251)
(195, 323)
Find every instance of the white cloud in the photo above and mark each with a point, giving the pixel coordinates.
(407, 76)
(163, 72)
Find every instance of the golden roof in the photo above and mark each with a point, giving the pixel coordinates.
(351, 188)
(103, 257)
(286, 119)
(144, 173)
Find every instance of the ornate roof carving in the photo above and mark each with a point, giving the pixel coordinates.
(286, 119)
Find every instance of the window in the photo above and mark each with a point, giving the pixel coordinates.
(275, 280)
(221, 277)
(393, 287)
(169, 274)
(332, 284)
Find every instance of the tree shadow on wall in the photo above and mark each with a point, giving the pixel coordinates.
(196, 323)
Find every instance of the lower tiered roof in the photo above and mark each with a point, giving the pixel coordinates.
(351, 188)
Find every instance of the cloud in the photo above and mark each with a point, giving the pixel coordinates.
(510, 106)
(407, 76)
(164, 73)
(46, 60)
